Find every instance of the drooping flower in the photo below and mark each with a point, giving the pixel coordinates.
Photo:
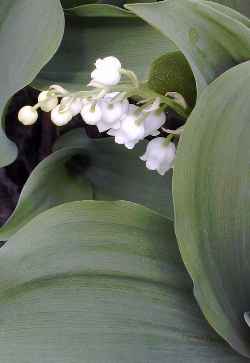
(153, 122)
(159, 155)
(131, 131)
(48, 102)
(107, 71)
(61, 116)
(91, 113)
(27, 115)
(112, 112)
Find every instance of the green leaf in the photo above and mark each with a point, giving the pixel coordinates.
(171, 72)
(242, 6)
(99, 10)
(89, 35)
(212, 37)
(30, 33)
(52, 182)
(212, 203)
(117, 173)
(100, 282)
(69, 4)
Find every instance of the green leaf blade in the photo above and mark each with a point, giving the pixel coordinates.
(211, 40)
(125, 36)
(51, 183)
(100, 282)
(211, 198)
(117, 173)
(24, 52)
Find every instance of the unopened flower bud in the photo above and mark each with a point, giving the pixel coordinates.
(48, 102)
(107, 71)
(27, 115)
(61, 117)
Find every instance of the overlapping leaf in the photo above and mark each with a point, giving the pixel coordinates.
(98, 30)
(51, 183)
(100, 282)
(83, 168)
(24, 51)
(117, 173)
(242, 6)
(212, 203)
(212, 37)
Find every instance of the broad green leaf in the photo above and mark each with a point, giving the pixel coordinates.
(172, 73)
(69, 4)
(100, 282)
(30, 33)
(99, 10)
(212, 37)
(117, 173)
(212, 203)
(242, 6)
(88, 37)
(51, 183)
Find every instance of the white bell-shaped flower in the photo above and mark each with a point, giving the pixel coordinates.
(153, 122)
(159, 155)
(27, 115)
(112, 112)
(107, 71)
(91, 114)
(75, 104)
(61, 116)
(48, 101)
(130, 132)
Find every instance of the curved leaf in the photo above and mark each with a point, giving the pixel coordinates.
(24, 51)
(212, 37)
(51, 183)
(212, 203)
(90, 35)
(242, 6)
(117, 173)
(171, 72)
(100, 282)
(99, 10)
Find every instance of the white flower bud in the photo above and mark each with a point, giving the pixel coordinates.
(75, 105)
(47, 101)
(107, 71)
(153, 122)
(159, 155)
(61, 118)
(91, 114)
(108, 62)
(27, 115)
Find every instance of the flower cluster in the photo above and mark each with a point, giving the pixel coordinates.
(107, 107)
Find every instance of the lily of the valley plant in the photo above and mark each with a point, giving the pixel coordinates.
(108, 108)
(103, 260)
